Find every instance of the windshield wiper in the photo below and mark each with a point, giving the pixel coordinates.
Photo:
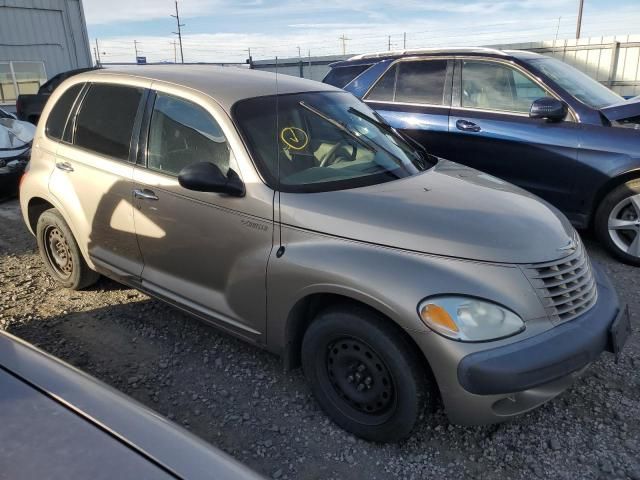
(340, 126)
(388, 128)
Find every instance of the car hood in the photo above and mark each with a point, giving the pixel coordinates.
(623, 110)
(15, 134)
(449, 210)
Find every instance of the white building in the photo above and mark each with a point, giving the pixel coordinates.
(39, 39)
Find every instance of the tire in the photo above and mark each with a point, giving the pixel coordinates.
(60, 252)
(622, 206)
(394, 386)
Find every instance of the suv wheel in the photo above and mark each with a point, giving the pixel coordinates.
(60, 252)
(364, 373)
(617, 222)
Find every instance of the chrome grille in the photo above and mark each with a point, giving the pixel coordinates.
(566, 287)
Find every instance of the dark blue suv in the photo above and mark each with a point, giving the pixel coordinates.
(529, 119)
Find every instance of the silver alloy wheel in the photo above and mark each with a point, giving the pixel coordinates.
(624, 225)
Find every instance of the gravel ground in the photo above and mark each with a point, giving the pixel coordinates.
(239, 399)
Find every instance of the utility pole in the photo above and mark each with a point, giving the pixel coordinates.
(299, 54)
(179, 32)
(404, 41)
(389, 43)
(135, 47)
(175, 54)
(344, 43)
(579, 26)
(98, 53)
(250, 59)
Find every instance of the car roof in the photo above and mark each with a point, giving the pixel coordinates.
(227, 85)
(368, 58)
(76, 403)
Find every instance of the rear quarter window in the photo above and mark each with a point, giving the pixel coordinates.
(105, 121)
(60, 112)
(342, 76)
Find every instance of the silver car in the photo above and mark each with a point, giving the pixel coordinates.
(287, 213)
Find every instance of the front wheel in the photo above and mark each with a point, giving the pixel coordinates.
(364, 373)
(60, 252)
(617, 222)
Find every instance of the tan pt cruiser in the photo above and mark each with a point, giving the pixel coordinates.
(286, 212)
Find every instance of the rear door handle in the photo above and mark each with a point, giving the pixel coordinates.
(145, 194)
(64, 166)
(467, 126)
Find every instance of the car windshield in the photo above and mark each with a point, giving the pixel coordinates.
(324, 141)
(578, 84)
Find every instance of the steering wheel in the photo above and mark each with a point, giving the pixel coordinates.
(331, 156)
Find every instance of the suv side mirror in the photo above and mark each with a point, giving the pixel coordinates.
(551, 109)
(207, 177)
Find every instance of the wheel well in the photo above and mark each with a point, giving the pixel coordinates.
(306, 309)
(34, 210)
(608, 187)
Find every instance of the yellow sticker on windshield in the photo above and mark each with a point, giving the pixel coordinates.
(294, 137)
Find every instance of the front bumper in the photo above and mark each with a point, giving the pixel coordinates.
(494, 384)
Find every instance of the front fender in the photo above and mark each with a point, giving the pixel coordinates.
(389, 280)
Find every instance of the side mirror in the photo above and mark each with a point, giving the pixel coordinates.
(207, 177)
(551, 109)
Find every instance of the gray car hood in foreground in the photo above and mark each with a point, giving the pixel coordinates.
(449, 210)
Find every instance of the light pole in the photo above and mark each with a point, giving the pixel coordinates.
(579, 26)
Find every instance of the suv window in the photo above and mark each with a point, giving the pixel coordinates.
(493, 86)
(421, 82)
(341, 76)
(105, 121)
(182, 133)
(60, 112)
(384, 89)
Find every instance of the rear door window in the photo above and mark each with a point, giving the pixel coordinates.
(342, 76)
(421, 82)
(105, 121)
(383, 90)
(60, 112)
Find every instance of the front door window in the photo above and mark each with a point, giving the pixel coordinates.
(494, 86)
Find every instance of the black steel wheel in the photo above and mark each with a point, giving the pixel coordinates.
(60, 252)
(360, 377)
(365, 373)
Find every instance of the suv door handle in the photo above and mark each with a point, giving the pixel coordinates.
(64, 166)
(467, 126)
(145, 194)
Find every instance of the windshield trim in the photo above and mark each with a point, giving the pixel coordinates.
(332, 185)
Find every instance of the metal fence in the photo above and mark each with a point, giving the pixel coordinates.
(613, 61)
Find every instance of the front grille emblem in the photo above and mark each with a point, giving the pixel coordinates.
(569, 247)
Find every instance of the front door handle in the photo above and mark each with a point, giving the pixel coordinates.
(467, 126)
(145, 194)
(64, 166)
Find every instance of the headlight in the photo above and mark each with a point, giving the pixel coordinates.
(468, 319)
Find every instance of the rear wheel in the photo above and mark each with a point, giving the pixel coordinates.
(60, 252)
(364, 373)
(617, 222)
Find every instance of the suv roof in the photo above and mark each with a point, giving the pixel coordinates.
(375, 57)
